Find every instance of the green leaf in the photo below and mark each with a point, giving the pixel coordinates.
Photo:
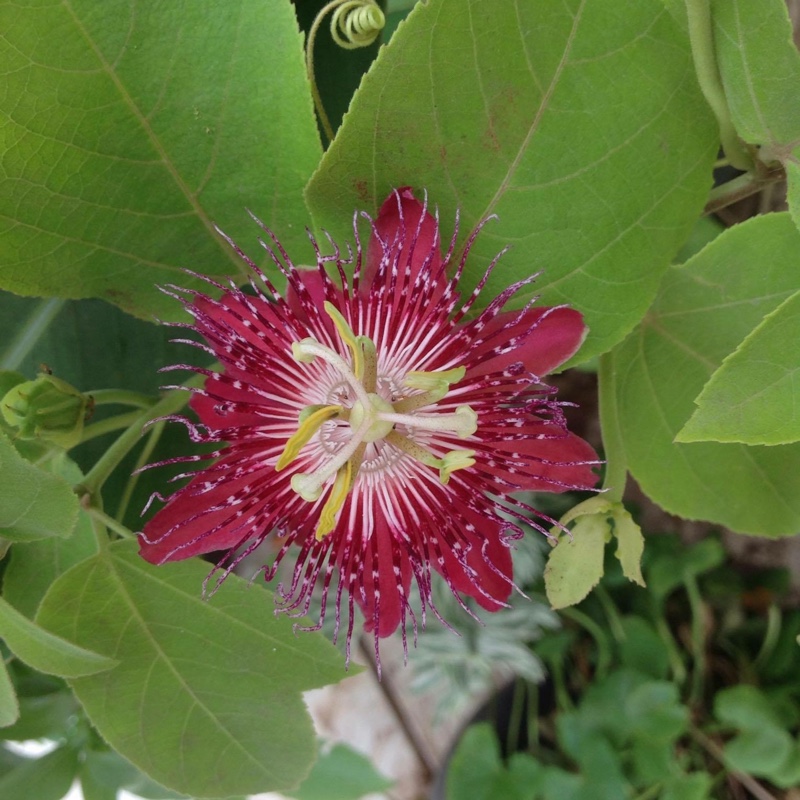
(754, 397)
(144, 127)
(694, 786)
(630, 545)
(476, 771)
(110, 770)
(575, 566)
(704, 310)
(793, 189)
(92, 789)
(34, 503)
(44, 651)
(9, 705)
(551, 115)
(33, 566)
(218, 681)
(760, 69)
(642, 649)
(670, 569)
(763, 744)
(47, 778)
(42, 717)
(654, 711)
(341, 774)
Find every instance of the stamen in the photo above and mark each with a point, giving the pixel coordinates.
(311, 419)
(348, 337)
(435, 386)
(309, 484)
(335, 501)
(449, 463)
(464, 422)
(306, 350)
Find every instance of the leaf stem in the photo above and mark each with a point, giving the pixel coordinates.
(144, 457)
(698, 639)
(616, 461)
(104, 426)
(37, 323)
(104, 397)
(715, 751)
(101, 516)
(169, 404)
(597, 633)
(701, 37)
(742, 186)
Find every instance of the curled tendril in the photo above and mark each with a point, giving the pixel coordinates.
(360, 22)
(355, 23)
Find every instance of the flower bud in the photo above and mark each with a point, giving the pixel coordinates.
(47, 408)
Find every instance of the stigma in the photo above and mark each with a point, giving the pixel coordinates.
(367, 414)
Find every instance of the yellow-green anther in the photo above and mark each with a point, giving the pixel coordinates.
(303, 351)
(414, 449)
(434, 385)
(311, 419)
(370, 379)
(452, 460)
(463, 422)
(349, 338)
(307, 486)
(335, 501)
(468, 422)
(455, 459)
(433, 381)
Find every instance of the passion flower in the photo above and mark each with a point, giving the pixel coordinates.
(375, 426)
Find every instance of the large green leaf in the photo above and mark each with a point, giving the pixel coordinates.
(760, 69)
(217, 681)
(45, 652)
(9, 705)
(704, 310)
(754, 397)
(341, 774)
(34, 503)
(33, 566)
(47, 778)
(579, 123)
(128, 130)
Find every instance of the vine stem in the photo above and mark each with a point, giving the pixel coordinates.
(616, 473)
(144, 457)
(104, 397)
(317, 97)
(742, 186)
(701, 37)
(104, 426)
(172, 402)
(415, 739)
(37, 323)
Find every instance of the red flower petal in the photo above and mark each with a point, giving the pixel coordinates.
(542, 339)
(403, 222)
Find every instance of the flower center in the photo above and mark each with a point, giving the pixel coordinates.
(370, 418)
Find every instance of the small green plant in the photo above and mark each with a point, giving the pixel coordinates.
(688, 690)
